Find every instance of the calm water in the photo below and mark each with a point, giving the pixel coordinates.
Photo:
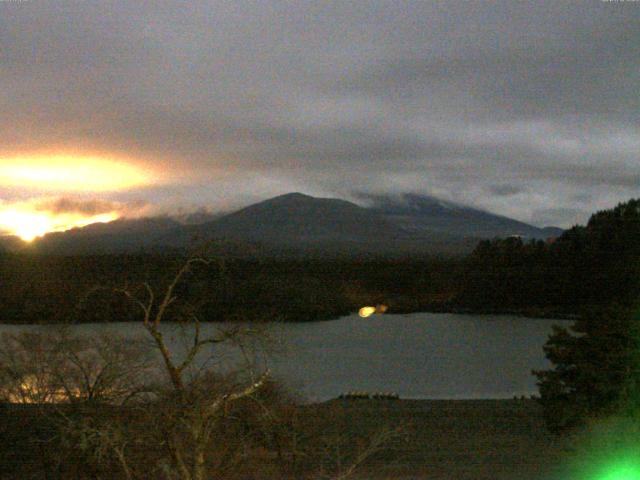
(421, 355)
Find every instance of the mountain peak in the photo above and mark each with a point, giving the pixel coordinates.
(297, 200)
(290, 197)
(293, 195)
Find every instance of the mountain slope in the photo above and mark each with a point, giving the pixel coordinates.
(421, 214)
(389, 224)
(295, 217)
(123, 235)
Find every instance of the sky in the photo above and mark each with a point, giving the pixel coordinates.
(110, 108)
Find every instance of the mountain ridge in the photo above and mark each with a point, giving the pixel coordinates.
(430, 213)
(296, 221)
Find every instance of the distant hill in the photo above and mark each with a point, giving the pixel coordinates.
(123, 235)
(297, 222)
(294, 218)
(425, 214)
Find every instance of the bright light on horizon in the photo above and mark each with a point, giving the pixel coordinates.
(61, 173)
(29, 224)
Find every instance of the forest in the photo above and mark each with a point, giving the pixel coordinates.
(586, 266)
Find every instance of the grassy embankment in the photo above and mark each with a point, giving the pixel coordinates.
(439, 439)
(456, 439)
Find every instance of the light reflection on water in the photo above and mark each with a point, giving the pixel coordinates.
(420, 355)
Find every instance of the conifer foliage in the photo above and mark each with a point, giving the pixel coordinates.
(596, 368)
(596, 362)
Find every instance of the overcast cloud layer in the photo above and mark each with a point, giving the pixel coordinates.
(528, 109)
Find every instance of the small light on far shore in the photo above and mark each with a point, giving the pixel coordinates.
(365, 312)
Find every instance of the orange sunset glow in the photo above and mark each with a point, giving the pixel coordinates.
(71, 173)
(29, 224)
(62, 174)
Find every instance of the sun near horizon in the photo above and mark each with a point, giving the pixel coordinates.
(29, 225)
(47, 176)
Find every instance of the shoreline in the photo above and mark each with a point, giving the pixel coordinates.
(528, 315)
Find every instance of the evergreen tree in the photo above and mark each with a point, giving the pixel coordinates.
(596, 367)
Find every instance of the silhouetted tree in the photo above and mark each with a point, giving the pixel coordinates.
(596, 367)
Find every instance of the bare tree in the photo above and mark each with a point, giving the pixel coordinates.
(193, 404)
(58, 366)
(65, 379)
(173, 415)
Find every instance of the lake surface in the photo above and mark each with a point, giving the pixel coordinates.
(421, 355)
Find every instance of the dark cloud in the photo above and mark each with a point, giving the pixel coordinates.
(519, 107)
(89, 207)
(588, 73)
(505, 190)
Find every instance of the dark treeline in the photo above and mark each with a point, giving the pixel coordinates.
(52, 289)
(588, 265)
(592, 265)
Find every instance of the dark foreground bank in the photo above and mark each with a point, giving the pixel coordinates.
(430, 439)
(457, 439)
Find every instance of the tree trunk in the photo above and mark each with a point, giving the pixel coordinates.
(199, 465)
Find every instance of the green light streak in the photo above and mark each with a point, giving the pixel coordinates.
(607, 450)
(625, 470)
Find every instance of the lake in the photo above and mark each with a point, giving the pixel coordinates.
(420, 355)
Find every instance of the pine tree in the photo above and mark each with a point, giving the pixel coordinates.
(596, 367)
